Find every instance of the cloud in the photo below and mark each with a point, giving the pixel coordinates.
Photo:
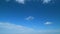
(12, 28)
(8, 28)
(46, 1)
(29, 18)
(20, 1)
(47, 23)
(23, 1)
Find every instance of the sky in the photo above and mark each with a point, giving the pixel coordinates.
(29, 16)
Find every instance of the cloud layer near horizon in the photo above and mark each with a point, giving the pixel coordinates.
(8, 28)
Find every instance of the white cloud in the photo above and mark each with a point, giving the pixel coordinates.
(8, 28)
(12, 28)
(46, 1)
(23, 1)
(48, 23)
(29, 18)
(20, 1)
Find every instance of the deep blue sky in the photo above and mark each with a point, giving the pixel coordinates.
(16, 13)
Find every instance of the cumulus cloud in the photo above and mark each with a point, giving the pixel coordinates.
(29, 18)
(46, 1)
(47, 23)
(8, 28)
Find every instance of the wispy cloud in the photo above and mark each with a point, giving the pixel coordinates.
(20, 1)
(47, 23)
(23, 1)
(12, 28)
(46, 1)
(29, 18)
(8, 28)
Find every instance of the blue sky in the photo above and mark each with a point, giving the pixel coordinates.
(29, 16)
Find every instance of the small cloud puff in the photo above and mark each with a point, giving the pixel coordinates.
(47, 23)
(29, 18)
(46, 1)
(20, 1)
